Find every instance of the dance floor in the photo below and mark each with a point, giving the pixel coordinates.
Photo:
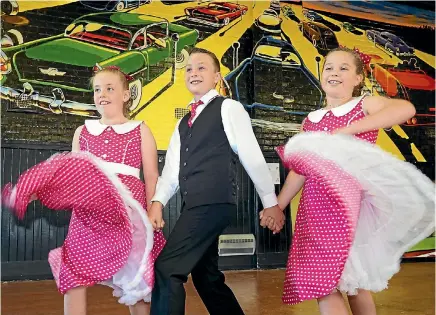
(411, 292)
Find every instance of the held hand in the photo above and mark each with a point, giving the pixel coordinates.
(155, 216)
(273, 218)
(273, 226)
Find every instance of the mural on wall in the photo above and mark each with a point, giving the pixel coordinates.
(271, 54)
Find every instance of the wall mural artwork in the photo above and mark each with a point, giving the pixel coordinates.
(271, 54)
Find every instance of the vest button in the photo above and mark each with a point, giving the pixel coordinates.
(187, 149)
(184, 177)
(185, 193)
(190, 135)
(184, 164)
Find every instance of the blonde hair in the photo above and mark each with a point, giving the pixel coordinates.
(216, 62)
(360, 70)
(124, 83)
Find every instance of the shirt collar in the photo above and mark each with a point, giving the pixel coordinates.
(206, 98)
(95, 127)
(318, 115)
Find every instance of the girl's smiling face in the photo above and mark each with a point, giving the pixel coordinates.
(109, 94)
(339, 77)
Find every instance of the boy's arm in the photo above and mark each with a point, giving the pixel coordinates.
(168, 182)
(237, 125)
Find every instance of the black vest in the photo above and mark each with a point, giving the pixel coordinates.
(207, 162)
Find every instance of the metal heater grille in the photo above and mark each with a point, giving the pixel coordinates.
(236, 244)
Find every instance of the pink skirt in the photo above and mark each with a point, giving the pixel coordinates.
(110, 239)
(361, 209)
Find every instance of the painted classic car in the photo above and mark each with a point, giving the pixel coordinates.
(348, 27)
(312, 15)
(393, 82)
(320, 35)
(11, 38)
(113, 5)
(289, 91)
(288, 11)
(9, 35)
(390, 42)
(275, 5)
(421, 120)
(9, 7)
(417, 81)
(269, 22)
(54, 72)
(386, 83)
(215, 14)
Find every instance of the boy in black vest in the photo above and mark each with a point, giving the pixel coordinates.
(201, 160)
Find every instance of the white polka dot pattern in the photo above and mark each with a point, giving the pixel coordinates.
(324, 228)
(326, 218)
(99, 238)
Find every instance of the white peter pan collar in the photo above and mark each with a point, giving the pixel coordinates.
(95, 127)
(318, 115)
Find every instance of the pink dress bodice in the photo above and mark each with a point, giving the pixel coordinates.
(342, 116)
(120, 147)
(116, 144)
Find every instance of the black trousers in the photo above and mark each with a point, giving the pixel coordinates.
(192, 248)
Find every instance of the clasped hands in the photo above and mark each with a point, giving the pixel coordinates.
(273, 218)
(155, 216)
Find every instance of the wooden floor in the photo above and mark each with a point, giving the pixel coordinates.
(411, 292)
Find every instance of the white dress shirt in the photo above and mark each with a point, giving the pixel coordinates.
(237, 126)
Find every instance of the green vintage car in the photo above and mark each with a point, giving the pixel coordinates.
(348, 27)
(53, 73)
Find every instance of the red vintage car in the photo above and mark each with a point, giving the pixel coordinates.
(417, 80)
(421, 120)
(394, 82)
(215, 14)
(413, 79)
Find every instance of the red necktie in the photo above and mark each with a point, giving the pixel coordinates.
(194, 107)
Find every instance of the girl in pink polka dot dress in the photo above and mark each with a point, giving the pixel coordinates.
(360, 208)
(110, 239)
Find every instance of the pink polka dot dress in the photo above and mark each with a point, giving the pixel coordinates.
(110, 240)
(355, 217)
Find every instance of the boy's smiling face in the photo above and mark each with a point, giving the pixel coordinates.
(201, 75)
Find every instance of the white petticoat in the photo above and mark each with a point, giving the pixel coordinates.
(398, 206)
